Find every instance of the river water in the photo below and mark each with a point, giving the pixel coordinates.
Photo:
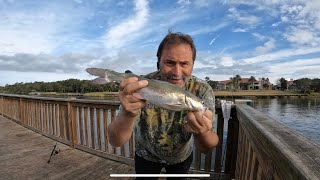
(299, 113)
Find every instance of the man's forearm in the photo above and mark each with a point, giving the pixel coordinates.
(120, 130)
(206, 142)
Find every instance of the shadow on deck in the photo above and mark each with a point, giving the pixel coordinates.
(24, 155)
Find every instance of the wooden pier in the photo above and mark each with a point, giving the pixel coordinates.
(255, 147)
(24, 154)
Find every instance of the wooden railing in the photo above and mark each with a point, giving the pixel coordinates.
(265, 149)
(270, 150)
(82, 124)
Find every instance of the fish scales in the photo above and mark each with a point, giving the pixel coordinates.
(159, 93)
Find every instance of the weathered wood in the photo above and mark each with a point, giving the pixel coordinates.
(294, 156)
(86, 126)
(218, 157)
(131, 145)
(93, 143)
(263, 148)
(197, 162)
(21, 111)
(98, 115)
(232, 143)
(70, 128)
(80, 121)
(113, 118)
(207, 162)
(26, 154)
(105, 122)
(58, 120)
(2, 105)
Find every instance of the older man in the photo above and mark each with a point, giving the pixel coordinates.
(163, 138)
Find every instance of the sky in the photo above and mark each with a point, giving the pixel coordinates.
(57, 40)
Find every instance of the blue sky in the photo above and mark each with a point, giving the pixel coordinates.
(57, 40)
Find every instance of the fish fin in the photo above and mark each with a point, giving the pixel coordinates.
(96, 72)
(137, 95)
(100, 81)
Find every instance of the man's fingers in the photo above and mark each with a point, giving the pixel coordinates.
(125, 82)
(192, 121)
(134, 86)
(199, 122)
(208, 114)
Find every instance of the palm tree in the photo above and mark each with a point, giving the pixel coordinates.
(237, 79)
(252, 79)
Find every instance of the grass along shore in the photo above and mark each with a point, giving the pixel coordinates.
(225, 93)
(238, 93)
(257, 93)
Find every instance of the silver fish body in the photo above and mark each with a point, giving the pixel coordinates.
(159, 93)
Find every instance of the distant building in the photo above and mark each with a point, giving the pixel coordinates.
(244, 84)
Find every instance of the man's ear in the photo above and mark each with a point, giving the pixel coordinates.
(158, 66)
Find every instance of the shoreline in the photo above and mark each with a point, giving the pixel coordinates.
(217, 93)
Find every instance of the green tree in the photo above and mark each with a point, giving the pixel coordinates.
(303, 85)
(213, 84)
(252, 79)
(283, 83)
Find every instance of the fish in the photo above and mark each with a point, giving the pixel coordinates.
(159, 93)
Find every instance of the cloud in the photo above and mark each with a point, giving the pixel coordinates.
(209, 28)
(227, 61)
(184, 2)
(243, 17)
(68, 63)
(302, 36)
(302, 68)
(202, 3)
(267, 46)
(281, 54)
(121, 34)
(259, 36)
(214, 39)
(240, 30)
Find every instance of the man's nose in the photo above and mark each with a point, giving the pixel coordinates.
(177, 71)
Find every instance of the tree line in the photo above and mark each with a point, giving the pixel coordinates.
(303, 85)
(66, 86)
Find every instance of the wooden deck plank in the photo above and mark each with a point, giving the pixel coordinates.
(24, 155)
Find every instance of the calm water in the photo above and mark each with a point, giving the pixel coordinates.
(301, 114)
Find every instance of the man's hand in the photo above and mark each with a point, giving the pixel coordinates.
(198, 123)
(131, 104)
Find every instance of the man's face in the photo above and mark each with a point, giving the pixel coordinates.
(176, 64)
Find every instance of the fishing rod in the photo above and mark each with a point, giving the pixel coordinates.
(53, 152)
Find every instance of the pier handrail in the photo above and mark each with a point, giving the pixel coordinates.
(267, 149)
(256, 146)
(82, 124)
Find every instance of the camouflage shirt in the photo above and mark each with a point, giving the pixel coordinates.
(159, 135)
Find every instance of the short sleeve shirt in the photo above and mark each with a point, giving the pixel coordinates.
(159, 134)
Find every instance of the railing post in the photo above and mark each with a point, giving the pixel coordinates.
(2, 106)
(218, 156)
(70, 122)
(232, 143)
(21, 112)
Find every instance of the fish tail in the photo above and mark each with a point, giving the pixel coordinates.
(107, 76)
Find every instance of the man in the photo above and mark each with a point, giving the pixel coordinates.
(163, 137)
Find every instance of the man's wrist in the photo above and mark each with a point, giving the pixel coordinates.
(130, 114)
